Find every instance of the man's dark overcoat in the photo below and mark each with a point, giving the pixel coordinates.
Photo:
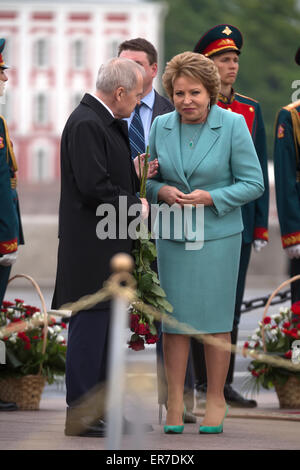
(96, 168)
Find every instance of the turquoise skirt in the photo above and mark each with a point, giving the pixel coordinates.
(200, 284)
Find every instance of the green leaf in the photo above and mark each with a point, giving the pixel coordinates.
(145, 282)
(165, 304)
(151, 300)
(153, 329)
(157, 290)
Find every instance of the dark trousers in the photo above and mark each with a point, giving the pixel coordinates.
(86, 363)
(294, 269)
(197, 347)
(4, 276)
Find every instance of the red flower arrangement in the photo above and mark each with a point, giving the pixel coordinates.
(280, 331)
(140, 328)
(24, 349)
(149, 290)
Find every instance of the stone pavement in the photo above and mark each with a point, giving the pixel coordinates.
(263, 428)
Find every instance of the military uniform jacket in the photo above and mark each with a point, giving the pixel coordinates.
(286, 168)
(255, 214)
(11, 234)
(96, 168)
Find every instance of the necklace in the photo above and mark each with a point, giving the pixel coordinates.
(192, 139)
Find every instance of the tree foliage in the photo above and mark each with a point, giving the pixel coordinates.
(271, 37)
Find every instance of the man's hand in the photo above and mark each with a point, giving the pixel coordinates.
(152, 169)
(9, 259)
(145, 208)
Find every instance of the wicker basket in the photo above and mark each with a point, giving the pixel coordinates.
(289, 393)
(26, 391)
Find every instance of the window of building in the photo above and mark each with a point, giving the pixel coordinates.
(42, 168)
(78, 54)
(41, 53)
(41, 110)
(113, 45)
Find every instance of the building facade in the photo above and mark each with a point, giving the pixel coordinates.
(54, 49)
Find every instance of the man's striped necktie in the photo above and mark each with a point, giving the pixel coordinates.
(136, 134)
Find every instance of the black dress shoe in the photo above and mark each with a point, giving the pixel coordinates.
(235, 399)
(7, 406)
(99, 428)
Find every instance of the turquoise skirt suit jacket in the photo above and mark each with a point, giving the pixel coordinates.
(224, 163)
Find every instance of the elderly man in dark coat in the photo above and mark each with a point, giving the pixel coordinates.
(96, 168)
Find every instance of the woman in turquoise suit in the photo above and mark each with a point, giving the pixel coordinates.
(206, 158)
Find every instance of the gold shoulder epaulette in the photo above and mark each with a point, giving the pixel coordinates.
(248, 97)
(293, 105)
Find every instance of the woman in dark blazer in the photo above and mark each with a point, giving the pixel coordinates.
(206, 158)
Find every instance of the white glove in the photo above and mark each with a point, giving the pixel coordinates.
(9, 259)
(259, 244)
(293, 251)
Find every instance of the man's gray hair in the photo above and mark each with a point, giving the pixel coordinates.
(118, 72)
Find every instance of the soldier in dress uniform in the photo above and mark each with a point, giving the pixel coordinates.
(287, 183)
(11, 235)
(223, 44)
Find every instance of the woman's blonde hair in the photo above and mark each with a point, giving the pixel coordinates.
(195, 66)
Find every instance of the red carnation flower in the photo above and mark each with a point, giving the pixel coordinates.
(19, 301)
(286, 324)
(27, 346)
(296, 308)
(137, 345)
(267, 320)
(134, 322)
(254, 373)
(23, 337)
(7, 304)
(63, 325)
(151, 339)
(142, 329)
(293, 332)
(288, 354)
(246, 344)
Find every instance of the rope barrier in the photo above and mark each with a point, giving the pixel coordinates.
(123, 284)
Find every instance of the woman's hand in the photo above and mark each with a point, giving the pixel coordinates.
(169, 194)
(198, 196)
(152, 169)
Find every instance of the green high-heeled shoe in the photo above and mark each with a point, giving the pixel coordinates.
(213, 429)
(169, 429)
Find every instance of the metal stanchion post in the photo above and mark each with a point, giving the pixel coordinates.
(117, 359)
